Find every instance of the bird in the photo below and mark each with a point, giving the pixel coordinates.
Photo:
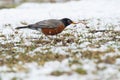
(50, 26)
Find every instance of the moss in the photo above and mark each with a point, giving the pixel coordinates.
(75, 61)
(16, 78)
(92, 54)
(80, 71)
(57, 73)
(8, 6)
(108, 60)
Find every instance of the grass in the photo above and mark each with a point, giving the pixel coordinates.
(59, 73)
(41, 50)
(80, 71)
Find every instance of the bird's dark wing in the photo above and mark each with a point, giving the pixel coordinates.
(51, 23)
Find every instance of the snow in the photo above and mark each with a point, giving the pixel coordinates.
(106, 10)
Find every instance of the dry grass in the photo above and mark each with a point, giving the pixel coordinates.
(16, 54)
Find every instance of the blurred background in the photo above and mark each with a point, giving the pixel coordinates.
(13, 3)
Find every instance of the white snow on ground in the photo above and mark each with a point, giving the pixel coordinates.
(106, 10)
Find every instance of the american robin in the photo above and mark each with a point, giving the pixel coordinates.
(50, 26)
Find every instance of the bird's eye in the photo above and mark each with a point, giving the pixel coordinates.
(69, 21)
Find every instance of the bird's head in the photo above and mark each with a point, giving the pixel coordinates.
(67, 21)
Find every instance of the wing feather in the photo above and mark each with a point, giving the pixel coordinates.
(51, 23)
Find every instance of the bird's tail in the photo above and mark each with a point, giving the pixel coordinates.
(22, 27)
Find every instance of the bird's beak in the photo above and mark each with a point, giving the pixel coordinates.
(75, 22)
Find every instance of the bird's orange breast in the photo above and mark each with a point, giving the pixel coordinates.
(53, 31)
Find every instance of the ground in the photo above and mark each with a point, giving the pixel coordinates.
(89, 50)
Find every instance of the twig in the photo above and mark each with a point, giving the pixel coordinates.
(95, 31)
